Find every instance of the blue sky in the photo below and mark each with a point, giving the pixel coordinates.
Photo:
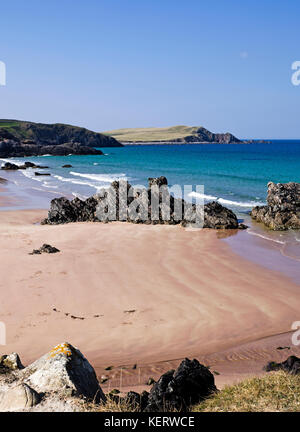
(105, 64)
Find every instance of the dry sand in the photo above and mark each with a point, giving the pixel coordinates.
(129, 294)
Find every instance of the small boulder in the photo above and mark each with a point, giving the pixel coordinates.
(177, 390)
(42, 174)
(136, 401)
(29, 165)
(10, 166)
(10, 362)
(18, 398)
(64, 369)
(67, 166)
(45, 249)
(218, 217)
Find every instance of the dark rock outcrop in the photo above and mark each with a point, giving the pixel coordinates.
(290, 365)
(176, 390)
(218, 217)
(9, 148)
(205, 136)
(154, 205)
(67, 166)
(8, 166)
(283, 209)
(45, 249)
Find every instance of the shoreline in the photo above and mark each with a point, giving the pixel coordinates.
(223, 300)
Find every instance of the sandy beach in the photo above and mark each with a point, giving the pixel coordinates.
(140, 295)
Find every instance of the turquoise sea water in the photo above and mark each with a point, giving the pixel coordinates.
(236, 175)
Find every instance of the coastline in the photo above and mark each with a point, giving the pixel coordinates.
(202, 299)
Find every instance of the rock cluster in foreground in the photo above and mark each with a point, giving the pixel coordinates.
(65, 377)
(64, 211)
(62, 373)
(283, 209)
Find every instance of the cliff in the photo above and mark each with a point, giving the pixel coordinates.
(19, 138)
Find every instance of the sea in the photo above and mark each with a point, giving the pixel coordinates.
(235, 175)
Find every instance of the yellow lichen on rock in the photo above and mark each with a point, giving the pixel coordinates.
(63, 348)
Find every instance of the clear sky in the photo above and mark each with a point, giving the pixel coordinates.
(106, 64)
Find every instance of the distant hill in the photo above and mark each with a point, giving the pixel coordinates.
(21, 138)
(53, 134)
(174, 134)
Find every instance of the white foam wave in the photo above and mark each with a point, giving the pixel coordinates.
(74, 181)
(226, 201)
(105, 178)
(265, 237)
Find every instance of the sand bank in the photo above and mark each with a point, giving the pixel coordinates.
(134, 294)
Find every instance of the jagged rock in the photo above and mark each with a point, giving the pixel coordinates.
(283, 209)
(154, 205)
(61, 211)
(177, 390)
(2, 180)
(291, 365)
(65, 370)
(84, 210)
(10, 362)
(218, 217)
(45, 249)
(18, 398)
(242, 226)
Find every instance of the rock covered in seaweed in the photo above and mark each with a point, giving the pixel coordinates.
(282, 211)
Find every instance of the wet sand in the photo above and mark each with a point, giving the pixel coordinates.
(129, 294)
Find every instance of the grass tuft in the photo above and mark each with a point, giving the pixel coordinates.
(277, 391)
